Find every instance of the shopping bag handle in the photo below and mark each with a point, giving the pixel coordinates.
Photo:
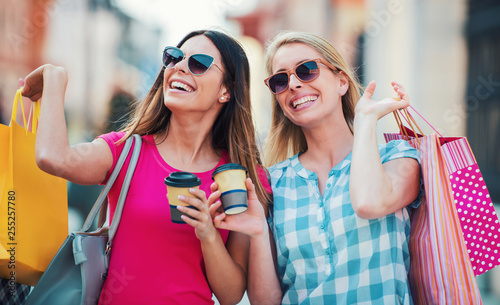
(406, 115)
(35, 114)
(34, 111)
(422, 119)
(410, 120)
(18, 98)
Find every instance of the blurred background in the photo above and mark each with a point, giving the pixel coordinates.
(445, 52)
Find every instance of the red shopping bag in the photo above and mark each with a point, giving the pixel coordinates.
(441, 271)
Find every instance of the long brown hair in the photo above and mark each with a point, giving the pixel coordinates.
(285, 138)
(233, 129)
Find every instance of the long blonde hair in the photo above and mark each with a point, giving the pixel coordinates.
(286, 139)
(233, 129)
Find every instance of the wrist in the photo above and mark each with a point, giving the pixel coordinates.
(261, 232)
(365, 119)
(54, 75)
(366, 115)
(210, 238)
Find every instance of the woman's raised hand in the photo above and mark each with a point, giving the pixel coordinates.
(251, 222)
(35, 81)
(368, 107)
(400, 91)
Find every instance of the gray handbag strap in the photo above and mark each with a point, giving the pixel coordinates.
(123, 193)
(114, 174)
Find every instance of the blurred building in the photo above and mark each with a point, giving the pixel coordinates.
(481, 107)
(22, 38)
(111, 59)
(104, 51)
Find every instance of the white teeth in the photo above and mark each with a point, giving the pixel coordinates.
(304, 100)
(182, 86)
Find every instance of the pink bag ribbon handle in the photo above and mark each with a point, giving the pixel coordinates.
(423, 119)
(411, 121)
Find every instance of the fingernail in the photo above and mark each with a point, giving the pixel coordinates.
(181, 197)
(180, 207)
(191, 190)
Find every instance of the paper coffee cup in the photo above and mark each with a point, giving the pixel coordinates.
(179, 183)
(231, 181)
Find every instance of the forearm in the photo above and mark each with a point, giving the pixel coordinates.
(263, 282)
(370, 187)
(226, 278)
(52, 143)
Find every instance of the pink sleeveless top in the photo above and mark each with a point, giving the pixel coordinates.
(153, 260)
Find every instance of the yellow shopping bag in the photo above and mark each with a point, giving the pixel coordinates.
(33, 206)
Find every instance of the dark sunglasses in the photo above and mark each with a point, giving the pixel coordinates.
(305, 72)
(198, 64)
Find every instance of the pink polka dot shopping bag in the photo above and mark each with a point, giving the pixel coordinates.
(455, 232)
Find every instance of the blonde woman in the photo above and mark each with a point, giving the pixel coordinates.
(341, 202)
(196, 116)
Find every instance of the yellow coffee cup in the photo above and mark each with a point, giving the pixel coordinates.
(179, 183)
(231, 181)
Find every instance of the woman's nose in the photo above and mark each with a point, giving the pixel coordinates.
(182, 65)
(294, 82)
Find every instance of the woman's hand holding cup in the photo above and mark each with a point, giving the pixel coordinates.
(252, 222)
(200, 218)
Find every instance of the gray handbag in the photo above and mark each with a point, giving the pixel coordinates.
(76, 274)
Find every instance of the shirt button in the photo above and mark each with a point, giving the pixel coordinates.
(329, 185)
(321, 226)
(327, 251)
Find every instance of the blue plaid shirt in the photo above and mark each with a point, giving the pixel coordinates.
(326, 253)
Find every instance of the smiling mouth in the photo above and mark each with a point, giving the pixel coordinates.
(304, 101)
(181, 86)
